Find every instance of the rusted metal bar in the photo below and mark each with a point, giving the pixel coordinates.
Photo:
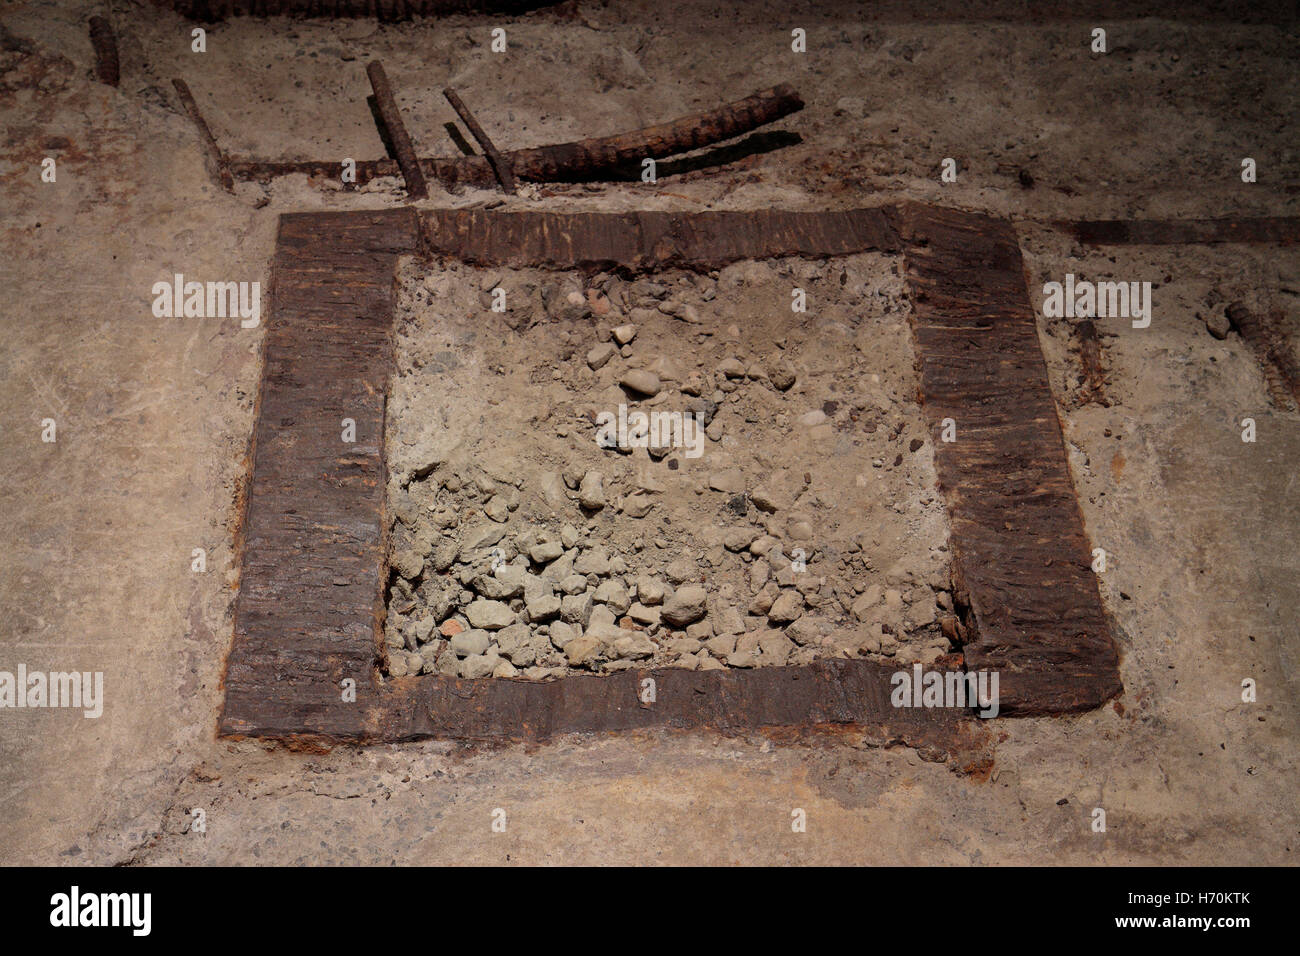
(107, 67)
(392, 117)
(1264, 335)
(499, 165)
(216, 159)
(585, 160)
(1092, 383)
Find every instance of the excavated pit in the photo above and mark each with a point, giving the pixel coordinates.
(783, 507)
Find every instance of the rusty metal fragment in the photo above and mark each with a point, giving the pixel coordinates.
(1092, 383)
(216, 160)
(105, 44)
(1266, 337)
(499, 165)
(397, 135)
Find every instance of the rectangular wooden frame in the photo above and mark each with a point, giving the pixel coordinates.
(313, 544)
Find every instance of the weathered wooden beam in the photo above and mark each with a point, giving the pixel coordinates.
(646, 241)
(397, 135)
(499, 165)
(217, 164)
(586, 160)
(314, 533)
(587, 157)
(1021, 558)
(1164, 232)
(382, 10)
(107, 67)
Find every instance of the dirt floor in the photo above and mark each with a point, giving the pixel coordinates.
(153, 417)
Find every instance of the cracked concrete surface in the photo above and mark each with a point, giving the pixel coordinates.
(154, 416)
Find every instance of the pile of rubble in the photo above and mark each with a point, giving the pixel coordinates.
(540, 528)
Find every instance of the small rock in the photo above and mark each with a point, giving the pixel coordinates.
(582, 650)
(505, 583)
(687, 605)
(397, 664)
(731, 481)
(721, 646)
(800, 529)
(727, 620)
(765, 499)
(786, 608)
(650, 591)
(1218, 324)
(640, 380)
(624, 334)
(408, 564)
(634, 647)
(480, 665)
(542, 607)
(813, 418)
(496, 509)
(600, 355)
(562, 634)
(467, 643)
(489, 615)
(613, 595)
(573, 584)
(444, 556)
(645, 616)
(576, 609)
(679, 572)
(591, 493)
(731, 368)
(782, 376)
(637, 505)
(515, 643)
(738, 539)
(545, 551)
(764, 599)
(776, 647)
